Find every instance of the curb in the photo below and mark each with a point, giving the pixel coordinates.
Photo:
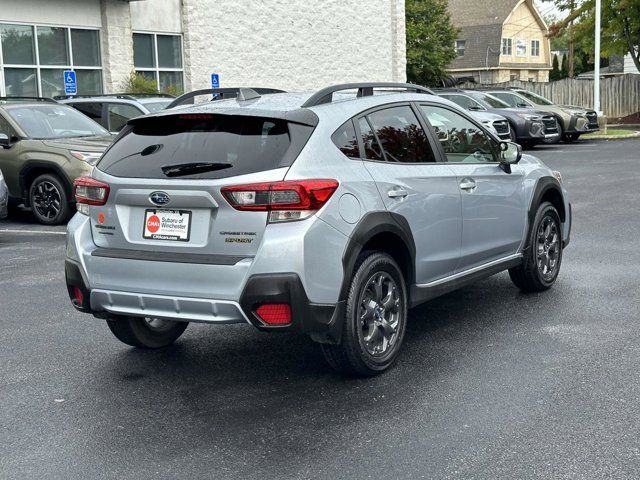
(613, 137)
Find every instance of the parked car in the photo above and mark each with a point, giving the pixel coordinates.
(573, 121)
(4, 197)
(299, 212)
(113, 111)
(45, 147)
(527, 126)
(497, 124)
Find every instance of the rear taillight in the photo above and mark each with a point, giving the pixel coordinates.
(285, 201)
(89, 191)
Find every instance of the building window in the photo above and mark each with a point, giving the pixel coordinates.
(159, 57)
(506, 46)
(460, 45)
(535, 48)
(34, 58)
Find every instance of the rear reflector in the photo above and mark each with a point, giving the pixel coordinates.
(90, 191)
(78, 296)
(275, 313)
(286, 200)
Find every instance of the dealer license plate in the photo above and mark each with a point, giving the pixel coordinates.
(172, 225)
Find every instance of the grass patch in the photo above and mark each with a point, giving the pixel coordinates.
(613, 133)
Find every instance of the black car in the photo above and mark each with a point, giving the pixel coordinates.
(528, 126)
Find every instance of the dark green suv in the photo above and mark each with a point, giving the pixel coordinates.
(45, 146)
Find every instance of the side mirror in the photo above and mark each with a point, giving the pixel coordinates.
(522, 105)
(5, 141)
(510, 154)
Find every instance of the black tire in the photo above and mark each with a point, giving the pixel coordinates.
(138, 332)
(49, 200)
(530, 276)
(529, 144)
(353, 355)
(571, 137)
(512, 134)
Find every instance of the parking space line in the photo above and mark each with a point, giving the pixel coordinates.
(44, 232)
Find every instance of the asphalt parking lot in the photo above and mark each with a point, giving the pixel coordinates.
(492, 383)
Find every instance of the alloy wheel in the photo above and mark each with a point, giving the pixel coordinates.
(47, 200)
(158, 324)
(548, 248)
(379, 314)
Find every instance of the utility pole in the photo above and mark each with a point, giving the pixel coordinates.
(596, 71)
(572, 7)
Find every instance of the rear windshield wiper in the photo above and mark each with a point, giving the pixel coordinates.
(184, 169)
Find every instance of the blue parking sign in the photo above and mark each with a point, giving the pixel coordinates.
(215, 80)
(70, 83)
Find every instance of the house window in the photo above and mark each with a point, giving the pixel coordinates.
(34, 58)
(506, 46)
(460, 45)
(159, 57)
(535, 48)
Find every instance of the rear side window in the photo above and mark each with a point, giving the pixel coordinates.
(345, 139)
(120, 114)
(401, 136)
(464, 101)
(91, 110)
(228, 145)
(508, 98)
(372, 150)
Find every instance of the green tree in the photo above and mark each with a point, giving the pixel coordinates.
(555, 71)
(620, 32)
(564, 72)
(430, 41)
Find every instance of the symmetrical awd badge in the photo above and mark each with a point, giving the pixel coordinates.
(159, 198)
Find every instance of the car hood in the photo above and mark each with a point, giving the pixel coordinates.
(98, 143)
(511, 112)
(485, 116)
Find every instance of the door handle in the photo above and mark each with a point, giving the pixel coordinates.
(468, 185)
(397, 193)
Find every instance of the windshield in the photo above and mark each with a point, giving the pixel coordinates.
(489, 101)
(156, 106)
(54, 121)
(537, 99)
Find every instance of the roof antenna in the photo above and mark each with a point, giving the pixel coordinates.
(245, 94)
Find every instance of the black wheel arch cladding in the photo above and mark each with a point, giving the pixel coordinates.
(369, 227)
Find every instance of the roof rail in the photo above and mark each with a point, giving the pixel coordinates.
(364, 90)
(122, 96)
(223, 94)
(31, 99)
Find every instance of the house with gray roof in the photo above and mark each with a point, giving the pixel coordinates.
(500, 40)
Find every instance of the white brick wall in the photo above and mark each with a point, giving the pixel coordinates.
(117, 43)
(293, 44)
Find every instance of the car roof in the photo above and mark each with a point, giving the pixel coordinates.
(289, 106)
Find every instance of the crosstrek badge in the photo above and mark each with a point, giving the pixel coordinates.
(168, 225)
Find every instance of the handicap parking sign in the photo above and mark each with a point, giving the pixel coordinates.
(70, 84)
(215, 80)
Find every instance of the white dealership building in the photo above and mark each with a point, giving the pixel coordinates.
(288, 44)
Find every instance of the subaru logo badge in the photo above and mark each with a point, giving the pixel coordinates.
(159, 198)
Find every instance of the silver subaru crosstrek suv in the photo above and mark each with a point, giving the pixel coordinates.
(330, 214)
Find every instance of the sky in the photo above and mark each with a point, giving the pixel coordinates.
(546, 8)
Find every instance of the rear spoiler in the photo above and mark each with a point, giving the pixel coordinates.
(222, 94)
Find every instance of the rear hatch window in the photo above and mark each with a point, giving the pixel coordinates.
(203, 146)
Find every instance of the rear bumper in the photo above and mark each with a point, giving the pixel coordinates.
(214, 289)
(321, 321)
